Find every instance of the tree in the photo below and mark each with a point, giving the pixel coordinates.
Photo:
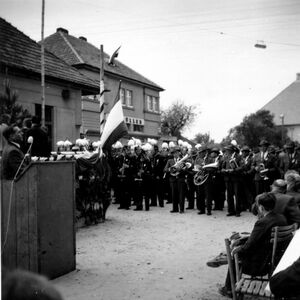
(204, 139)
(177, 117)
(254, 128)
(9, 105)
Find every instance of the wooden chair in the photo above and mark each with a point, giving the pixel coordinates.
(242, 284)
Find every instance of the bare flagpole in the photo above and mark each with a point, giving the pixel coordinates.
(43, 64)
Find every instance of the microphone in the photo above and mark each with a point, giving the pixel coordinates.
(29, 141)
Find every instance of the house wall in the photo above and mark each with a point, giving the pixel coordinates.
(293, 132)
(66, 113)
(90, 108)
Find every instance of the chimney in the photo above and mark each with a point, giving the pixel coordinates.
(298, 77)
(63, 30)
(83, 38)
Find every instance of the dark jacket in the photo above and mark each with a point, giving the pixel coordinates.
(286, 205)
(12, 157)
(256, 252)
(40, 145)
(287, 282)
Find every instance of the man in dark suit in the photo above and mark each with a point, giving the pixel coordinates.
(40, 145)
(287, 282)
(256, 252)
(12, 155)
(264, 163)
(285, 204)
(177, 181)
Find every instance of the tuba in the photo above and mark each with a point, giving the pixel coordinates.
(262, 171)
(180, 165)
(203, 173)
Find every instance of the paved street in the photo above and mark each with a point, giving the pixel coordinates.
(150, 255)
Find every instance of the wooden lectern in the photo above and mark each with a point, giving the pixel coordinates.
(41, 232)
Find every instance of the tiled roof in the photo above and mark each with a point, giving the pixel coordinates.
(19, 51)
(286, 103)
(77, 51)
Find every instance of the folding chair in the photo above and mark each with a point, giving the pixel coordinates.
(242, 284)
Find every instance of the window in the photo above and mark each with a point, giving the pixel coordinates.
(126, 97)
(152, 103)
(155, 104)
(129, 98)
(122, 96)
(149, 103)
(139, 128)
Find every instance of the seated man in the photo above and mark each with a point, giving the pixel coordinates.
(287, 282)
(255, 254)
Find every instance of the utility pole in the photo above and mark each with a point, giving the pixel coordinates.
(43, 65)
(282, 128)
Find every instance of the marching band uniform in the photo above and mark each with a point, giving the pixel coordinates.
(177, 183)
(200, 161)
(160, 160)
(230, 166)
(264, 164)
(247, 177)
(209, 183)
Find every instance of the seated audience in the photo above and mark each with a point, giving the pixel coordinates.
(292, 179)
(287, 282)
(255, 254)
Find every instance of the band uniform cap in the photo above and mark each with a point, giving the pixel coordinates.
(264, 143)
(198, 146)
(245, 148)
(171, 144)
(165, 145)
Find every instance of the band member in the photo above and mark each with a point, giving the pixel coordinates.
(247, 177)
(116, 161)
(175, 167)
(264, 164)
(127, 172)
(160, 160)
(143, 178)
(211, 166)
(199, 162)
(232, 178)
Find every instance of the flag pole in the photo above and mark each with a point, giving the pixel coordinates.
(43, 65)
(102, 90)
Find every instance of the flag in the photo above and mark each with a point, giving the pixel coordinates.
(112, 58)
(115, 126)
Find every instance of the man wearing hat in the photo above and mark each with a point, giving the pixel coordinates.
(285, 204)
(177, 180)
(287, 159)
(264, 165)
(232, 178)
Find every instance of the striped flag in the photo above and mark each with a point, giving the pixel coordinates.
(115, 126)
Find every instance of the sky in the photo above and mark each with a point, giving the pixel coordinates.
(201, 52)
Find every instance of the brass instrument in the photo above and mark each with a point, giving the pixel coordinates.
(122, 169)
(262, 171)
(233, 163)
(203, 173)
(180, 165)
